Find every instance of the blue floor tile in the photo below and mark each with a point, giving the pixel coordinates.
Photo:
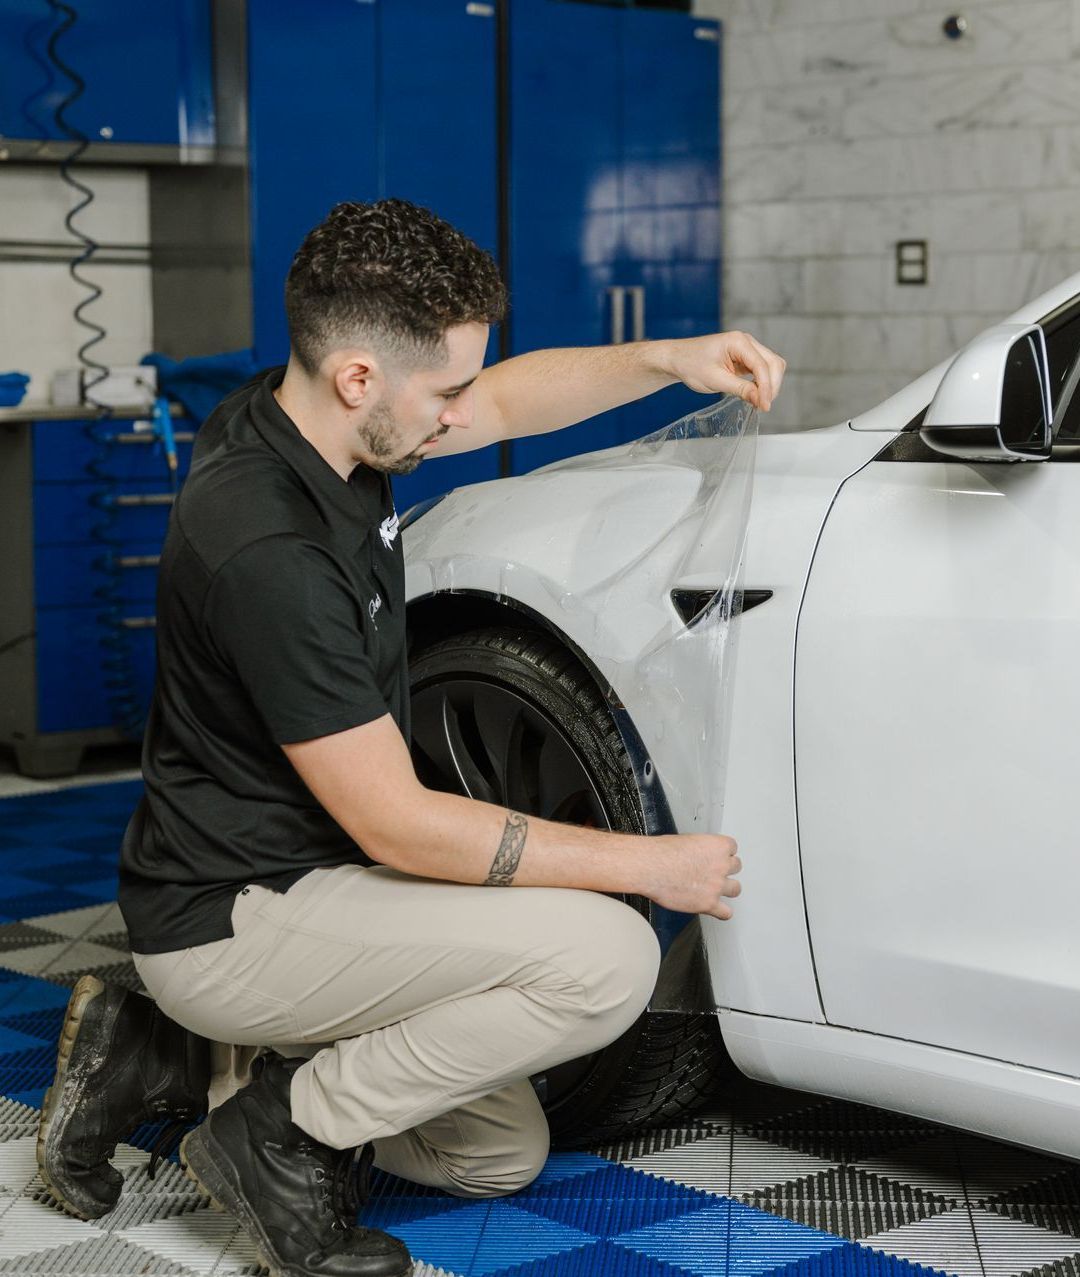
(12, 1042)
(727, 1239)
(447, 1240)
(611, 1200)
(55, 900)
(511, 1235)
(42, 1023)
(100, 890)
(854, 1261)
(26, 1074)
(27, 993)
(601, 1259)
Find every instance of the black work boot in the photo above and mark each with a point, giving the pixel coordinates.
(121, 1062)
(297, 1198)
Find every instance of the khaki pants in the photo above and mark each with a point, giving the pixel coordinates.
(423, 1007)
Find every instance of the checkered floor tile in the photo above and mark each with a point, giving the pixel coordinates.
(767, 1182)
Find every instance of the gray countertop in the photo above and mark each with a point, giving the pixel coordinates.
(49, 412)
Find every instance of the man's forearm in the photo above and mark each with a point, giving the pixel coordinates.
(462, 840)
(549, 389)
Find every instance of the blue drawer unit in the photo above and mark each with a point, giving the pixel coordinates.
(71, 576)
(71, 452)
(73, 679)
(84, 508)
(147, 71)
(82, 513)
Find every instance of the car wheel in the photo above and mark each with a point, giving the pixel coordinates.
(511, 717)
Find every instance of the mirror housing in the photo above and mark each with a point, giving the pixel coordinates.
(993, 404)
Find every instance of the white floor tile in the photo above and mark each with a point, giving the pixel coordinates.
(945, 1243)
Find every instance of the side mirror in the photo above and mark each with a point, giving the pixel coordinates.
(993, 404)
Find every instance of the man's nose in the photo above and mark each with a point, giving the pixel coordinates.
(459, 412)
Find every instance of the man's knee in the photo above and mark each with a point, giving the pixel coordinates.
(616, 958)
(508, 1173)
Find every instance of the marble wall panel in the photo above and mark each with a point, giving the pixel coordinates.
(987, 160)
(1050, 219)
(878, 344)
(846, 285)
(746, 16)
(851, 124)
(1000, 34)
(803, 112)
(811, 400)
(856, 52)
(1003, 97)
(753, 287)
(855, 227)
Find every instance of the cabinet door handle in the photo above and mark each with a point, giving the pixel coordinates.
(637, 311)
(617, 293)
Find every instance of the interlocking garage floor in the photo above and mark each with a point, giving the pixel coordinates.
(769, 1181)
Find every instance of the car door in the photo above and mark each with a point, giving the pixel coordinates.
(937, 704)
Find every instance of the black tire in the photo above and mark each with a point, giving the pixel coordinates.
(550, 715)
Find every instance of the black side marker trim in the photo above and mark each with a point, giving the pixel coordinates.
(693, 605)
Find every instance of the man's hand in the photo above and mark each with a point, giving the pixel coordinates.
(694, 873)
(720, 365)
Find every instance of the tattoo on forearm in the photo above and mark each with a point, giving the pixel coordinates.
(507, 858)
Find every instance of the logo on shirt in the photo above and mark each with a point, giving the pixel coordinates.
(374, 606)
(388, 530)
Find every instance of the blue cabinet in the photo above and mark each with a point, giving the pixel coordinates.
(614, 193)
(146, 71)
(438, 148)
(362, 101)
(612, 170)
(312, 85)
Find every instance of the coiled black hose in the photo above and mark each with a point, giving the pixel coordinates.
(90, 245)
(117, 656)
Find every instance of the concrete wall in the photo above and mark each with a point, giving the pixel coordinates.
(38, 333)
(851, 124)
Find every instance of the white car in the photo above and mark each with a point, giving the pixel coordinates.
(893, 748)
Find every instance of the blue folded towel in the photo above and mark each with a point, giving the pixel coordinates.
(200, 384)
(12, 388)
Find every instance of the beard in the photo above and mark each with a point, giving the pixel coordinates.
(381, 436)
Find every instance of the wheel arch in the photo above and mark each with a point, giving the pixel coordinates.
(684, 984)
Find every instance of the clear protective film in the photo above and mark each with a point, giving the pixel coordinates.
(635, 555)
(675, 676)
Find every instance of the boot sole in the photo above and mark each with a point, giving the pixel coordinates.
(87, 988)
(200, 1167)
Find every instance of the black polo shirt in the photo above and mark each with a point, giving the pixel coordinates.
(280, 618)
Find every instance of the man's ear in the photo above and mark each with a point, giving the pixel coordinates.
(356, 374)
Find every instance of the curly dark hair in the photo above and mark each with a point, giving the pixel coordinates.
(391, 272)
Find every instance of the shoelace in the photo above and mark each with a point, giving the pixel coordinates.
(165, 1144)
(347, 1187)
